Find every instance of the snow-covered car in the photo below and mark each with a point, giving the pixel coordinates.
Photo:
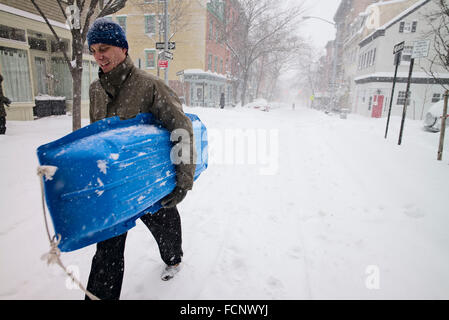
(260, 104)
(432, 120)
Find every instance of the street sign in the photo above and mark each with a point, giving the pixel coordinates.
(399, 47)
(163, 64)
(161, 45)
(168, 55)
(420, 49)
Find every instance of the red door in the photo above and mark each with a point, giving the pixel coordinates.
(377, 106)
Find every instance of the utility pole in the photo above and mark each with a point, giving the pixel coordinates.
(443, 126)
(166, 38)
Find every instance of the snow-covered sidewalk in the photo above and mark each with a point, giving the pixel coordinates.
(321, 208)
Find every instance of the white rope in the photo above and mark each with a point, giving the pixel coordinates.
(54, 255)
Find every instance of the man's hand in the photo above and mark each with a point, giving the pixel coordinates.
(171, 200)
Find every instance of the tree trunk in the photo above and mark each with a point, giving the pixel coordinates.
(245, 84)
(77, 72)
(76, 110)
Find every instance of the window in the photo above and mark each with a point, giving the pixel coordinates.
(209, 63)
(407, 27)
(41, 73)
(12, 33)
(374, 56)
(59, 46)
(85, 83)
(150, 58)
(150, 24)
(401, 98)
(121, 20)
(37, 44)
(221, 65)
(211, 30)
(63, 78)
(216, 64)
(436, 97)
(94, 70)
(15, 71)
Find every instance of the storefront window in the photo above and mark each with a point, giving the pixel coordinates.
(62, 77)
(16, 74)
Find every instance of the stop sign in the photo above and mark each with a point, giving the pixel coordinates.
(163, 64)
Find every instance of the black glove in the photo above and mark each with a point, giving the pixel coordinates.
(171, 200)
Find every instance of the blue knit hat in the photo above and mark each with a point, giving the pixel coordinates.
(106, 31)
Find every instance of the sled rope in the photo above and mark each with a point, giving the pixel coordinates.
(54, 255)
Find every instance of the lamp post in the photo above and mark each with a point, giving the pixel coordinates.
(334, 61)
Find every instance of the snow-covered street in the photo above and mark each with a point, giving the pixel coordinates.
(320, 208)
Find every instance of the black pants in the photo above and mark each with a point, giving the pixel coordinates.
(2, 125)
(106, 274)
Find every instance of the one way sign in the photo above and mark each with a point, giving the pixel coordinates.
(161, 45)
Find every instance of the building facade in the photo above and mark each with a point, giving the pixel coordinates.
(202, 67)
(32, 62)
(375, 65)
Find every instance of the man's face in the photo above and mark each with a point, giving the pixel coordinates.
(107, 56)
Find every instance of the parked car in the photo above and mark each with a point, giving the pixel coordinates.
(432, 120)
(260, 104)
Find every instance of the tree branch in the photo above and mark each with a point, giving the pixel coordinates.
(54, 33)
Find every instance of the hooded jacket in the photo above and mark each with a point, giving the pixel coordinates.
(126, 91)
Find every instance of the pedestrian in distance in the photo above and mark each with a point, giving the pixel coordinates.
(123, 90)
(222, 100)
(3, 101)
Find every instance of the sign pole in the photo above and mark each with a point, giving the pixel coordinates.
(404, 111)
(443, 127)
(397, 62)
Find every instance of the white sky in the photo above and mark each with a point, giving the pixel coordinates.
(318, 31)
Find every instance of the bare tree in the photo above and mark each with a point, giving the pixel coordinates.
(308, 70)
(272, 64)
(438, 20)
(256, 31)
(78, 14)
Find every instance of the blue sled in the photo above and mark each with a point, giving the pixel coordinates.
(110, 173)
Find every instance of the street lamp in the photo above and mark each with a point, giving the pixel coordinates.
(334, 61)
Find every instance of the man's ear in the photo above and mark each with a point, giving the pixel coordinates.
(125, 51)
